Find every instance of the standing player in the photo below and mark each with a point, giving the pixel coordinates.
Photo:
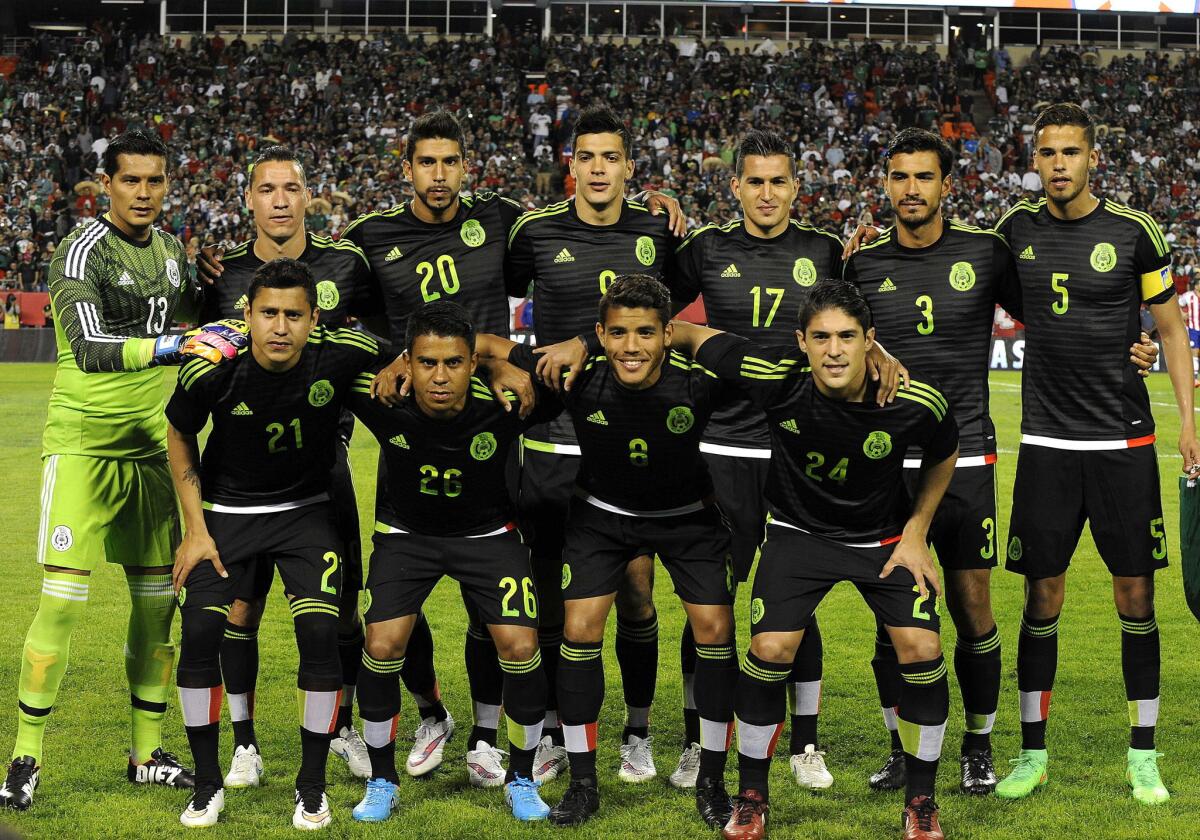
(260, 493)
(840, 510)
(753, 273)
(1189, 304)
(1087, 265)
(116, 285)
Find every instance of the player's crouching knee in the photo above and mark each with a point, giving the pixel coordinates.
(714, 629)
(518, 648)
(383, 646)
(774, 647)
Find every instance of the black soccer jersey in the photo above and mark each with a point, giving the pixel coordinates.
(640, 448)
(274, 435)
(752, 287)
(933, 308)
(837, 468)
(445, 477)
(1083, 283)
(344, 286)
(416, 262)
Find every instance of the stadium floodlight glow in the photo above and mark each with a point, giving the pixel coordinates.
(58, 26)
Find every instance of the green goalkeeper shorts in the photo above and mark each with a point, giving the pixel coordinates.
(117, 509)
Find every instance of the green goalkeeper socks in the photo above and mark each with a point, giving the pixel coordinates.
(149, 659)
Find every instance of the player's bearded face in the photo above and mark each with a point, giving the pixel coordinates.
(916, 187)
(766, 189)
(1064, 157)
(280, 322)
(137, 190)
(601, 168)
(837, 350)
(635, 342)
(278, 198)
(436, 172)
(440, 368)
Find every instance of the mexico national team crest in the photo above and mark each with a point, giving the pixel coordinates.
(566, 575)
(804, 272)
(320, 393)
(483, 445)
(757, 610)
(327, 295)
(645, 250)
(1015, 549)
(680, 419)
(1104, 257)
(877, 445)
(472, 233)
(962, 276)
(173, 273)
(62, 538)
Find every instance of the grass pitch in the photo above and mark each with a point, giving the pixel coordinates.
(84, 793)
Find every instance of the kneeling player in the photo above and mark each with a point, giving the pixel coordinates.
(262, 490)
(839, 511)
(444, 510)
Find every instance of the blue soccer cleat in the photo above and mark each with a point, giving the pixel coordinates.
(527, 805)
(381, 799)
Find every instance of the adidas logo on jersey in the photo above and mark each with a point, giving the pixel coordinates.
(1027, 254)
(125, 280)
(241, 410)
(789, 426)
(597, 417)
(399, 440)
(887, 285)
(564, 256)
(393, 254)
(731, 271)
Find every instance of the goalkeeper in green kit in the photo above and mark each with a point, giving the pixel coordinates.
(117, 284)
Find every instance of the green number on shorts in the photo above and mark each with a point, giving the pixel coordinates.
(276, 430)
(917, 611)
(777, 297)
(447, 274)
(527, 595)
(1159, 532)
(606, 277)
(639, 452)
(332, 559)
(451, 486)
(925, 304)
(989, 549)
(1059, 307)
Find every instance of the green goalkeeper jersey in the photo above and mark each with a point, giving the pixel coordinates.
(112, 296)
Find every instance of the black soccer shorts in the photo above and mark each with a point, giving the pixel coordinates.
(545, 489)
(739, 483)
(964, 532)
(797, 569)
(1115, 490)
(493, 573)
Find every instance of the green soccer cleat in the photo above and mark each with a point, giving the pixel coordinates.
(1141, 771)
(1028, 774)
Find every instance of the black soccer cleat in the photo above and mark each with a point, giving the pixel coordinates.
(713, 802)
(978, 772)
(163, 768)
(19, 785)
(578, 804)
(893, 775)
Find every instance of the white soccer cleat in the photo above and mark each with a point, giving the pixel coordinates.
(349, 747)
(312, 810)
(685, 774)
(809, 769)
(485, 765)
(637, 760)
(549, 761)
(204, 808)
(246, 769)
(431, 738)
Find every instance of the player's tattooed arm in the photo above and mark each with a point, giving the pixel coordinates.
(912, 552)
(183, 453)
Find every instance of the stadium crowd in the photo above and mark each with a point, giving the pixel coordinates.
(347, 103)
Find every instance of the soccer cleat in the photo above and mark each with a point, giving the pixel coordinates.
(382, 797)
(920, 820)
(521, 794)
(485, 765)
(163, 768)
(431, 738)
(809, 769)
(978, 772)
(312, 809)
(637, 760)
(246, 769)
(713, 803)
(22, 780)
(349, 747)
(749, 818)
(549, 761)
(1141, 771)
(1028, 774)
(204, 808)
(893, 775)
(578, 804)
(684, 776)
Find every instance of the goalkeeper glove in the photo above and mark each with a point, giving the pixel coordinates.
(215, 342)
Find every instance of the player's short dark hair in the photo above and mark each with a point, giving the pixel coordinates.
(911, 140)
(600, 119)
(637, 291)
(283, 273)
(279, 153)
(435, 125)
(763, 144)
(442, 318)
(835, 293)
(134, 142)
(1066, 113)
